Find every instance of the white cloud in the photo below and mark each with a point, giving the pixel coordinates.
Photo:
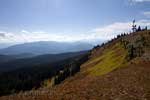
(147, 14)
(139, 1)
(24, 31)
(133, 2)
(110, 31)
(100, 33)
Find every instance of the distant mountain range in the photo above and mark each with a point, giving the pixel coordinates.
(45, 47)
(6, 58)
(5, 45)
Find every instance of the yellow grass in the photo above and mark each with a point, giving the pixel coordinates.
(111, 59)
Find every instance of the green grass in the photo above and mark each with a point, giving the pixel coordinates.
(111, 59)
(47, 83)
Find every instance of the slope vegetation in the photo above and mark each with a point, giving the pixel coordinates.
(110, 59)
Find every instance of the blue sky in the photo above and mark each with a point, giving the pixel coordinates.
(69, 20)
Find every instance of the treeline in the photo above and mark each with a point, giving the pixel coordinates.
(32, 77)
(119, 37)
(26, 78)
(70, 69)
(140, 29)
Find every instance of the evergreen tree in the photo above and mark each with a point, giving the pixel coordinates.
(134, 26)
(146, 28)
(139, 29)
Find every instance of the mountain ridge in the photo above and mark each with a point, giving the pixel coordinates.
(46, 47)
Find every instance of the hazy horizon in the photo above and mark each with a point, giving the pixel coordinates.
(89, 21)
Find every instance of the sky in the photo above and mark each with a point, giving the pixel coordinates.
(24, 21)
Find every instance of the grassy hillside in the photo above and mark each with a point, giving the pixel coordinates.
(115, 54)
(110, 59)
(116, 70)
